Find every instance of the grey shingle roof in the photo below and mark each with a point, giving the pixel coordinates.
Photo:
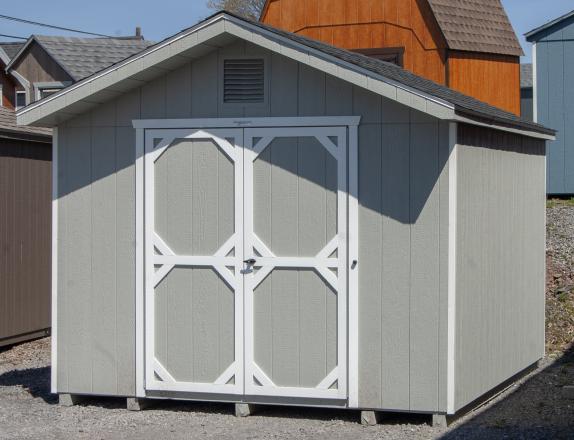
(476, 26)
(531, 35)
(81, 57)
(8, 125)
(526, 81)
(11, 49)
(463, 104)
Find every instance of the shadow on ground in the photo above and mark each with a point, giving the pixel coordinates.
(538, 408)
(35, 381)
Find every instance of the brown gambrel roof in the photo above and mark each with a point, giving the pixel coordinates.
(476, 26)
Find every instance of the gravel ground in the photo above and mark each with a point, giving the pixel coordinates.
(533, 408)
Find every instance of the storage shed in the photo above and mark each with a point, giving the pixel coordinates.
(25, 231)
(246, 215)
(553, 76)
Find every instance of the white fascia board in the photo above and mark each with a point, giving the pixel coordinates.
(524, 132)
(205, 33)
(4, 57)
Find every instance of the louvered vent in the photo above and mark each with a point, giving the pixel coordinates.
(244, 81)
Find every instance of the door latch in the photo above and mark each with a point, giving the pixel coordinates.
(250, 262)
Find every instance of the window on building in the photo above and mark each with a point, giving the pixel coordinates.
(20, 99)
(389, 54)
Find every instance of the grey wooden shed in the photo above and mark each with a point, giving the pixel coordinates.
(553, 76)
(250, 216)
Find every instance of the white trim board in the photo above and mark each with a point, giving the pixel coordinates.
(54, 336)
(452, 245)
(311, 121)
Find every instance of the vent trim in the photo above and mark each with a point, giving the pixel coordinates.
(244, 81)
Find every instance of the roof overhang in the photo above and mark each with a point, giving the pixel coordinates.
(195, 42)
(531, 35)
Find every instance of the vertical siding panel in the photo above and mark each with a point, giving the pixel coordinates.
(396, 267)
(178, 92)
(370, 260)
(338, 97)
(125, 260)
(103, 261)
(424, 302)
(556, 97)
(153, 99)
(311, 92)
(260, 110)
(204, 87)
(79, 253)
(568, 133)
(284, 86)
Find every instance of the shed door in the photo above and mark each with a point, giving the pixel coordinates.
(295, 287)
(194, 251)
(246, 250)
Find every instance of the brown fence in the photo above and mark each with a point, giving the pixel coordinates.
(25, 236)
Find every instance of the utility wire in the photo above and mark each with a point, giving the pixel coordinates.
(21, 20)
(13, 36)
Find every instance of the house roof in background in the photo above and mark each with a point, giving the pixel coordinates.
(11, 49)
(531, 35)
(81, 57)
(526, 79)
(476, 26)
(457, 106)
(9, 128)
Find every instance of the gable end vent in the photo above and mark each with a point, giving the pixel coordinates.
(244, 81)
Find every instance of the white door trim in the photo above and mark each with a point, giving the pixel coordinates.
(311, 121)
(219, 261)
(54, 336)
(352, 123)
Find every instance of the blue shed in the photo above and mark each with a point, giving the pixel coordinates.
(553, 78)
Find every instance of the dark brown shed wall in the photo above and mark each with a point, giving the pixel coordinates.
(25, 239)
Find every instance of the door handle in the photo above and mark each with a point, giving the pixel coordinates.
(250, 262)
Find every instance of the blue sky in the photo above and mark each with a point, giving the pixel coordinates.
(162, 19)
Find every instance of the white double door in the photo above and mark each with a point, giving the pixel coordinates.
(246, 261)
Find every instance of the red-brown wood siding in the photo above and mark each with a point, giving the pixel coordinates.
(354, 24)
(25, 238)
(8, 88)
(494, 79)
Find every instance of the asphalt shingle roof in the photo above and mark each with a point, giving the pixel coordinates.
(476, 26)
(526, 80)
(462, 103)
(82, 57)
(11, 49)
(8, 125)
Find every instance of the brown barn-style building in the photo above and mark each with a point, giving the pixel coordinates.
(468, 46)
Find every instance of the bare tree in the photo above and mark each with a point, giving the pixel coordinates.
(245, 8)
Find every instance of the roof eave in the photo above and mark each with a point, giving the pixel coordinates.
(530, 36)
(205, 32)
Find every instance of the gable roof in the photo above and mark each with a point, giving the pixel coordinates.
(531, 35)
(82, 57)
(476, 26)
(220, 29)
(11, 49)
(472, 26)
(9, 128)
(526, 80)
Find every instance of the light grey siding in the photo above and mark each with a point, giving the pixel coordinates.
(295, 214)
(555, 102)
(500, 259)
(403, 238)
